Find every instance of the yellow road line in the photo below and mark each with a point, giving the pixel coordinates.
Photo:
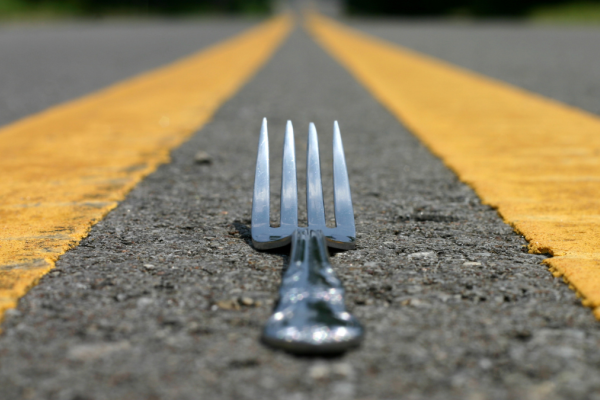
(63, 170)
(535, 160)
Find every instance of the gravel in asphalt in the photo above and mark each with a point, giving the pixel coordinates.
(166, 297)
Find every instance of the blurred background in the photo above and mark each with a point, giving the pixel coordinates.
(50, 8)
(559, 10)
(478, 8)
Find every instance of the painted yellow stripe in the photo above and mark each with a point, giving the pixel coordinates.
(535, 160)
(63, 170)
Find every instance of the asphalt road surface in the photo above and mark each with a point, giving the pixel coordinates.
(43, 65)
(148, 306)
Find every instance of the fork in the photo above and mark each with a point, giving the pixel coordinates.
(310, 316)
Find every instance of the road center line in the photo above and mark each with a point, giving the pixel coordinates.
(64, 169)
(534, 159)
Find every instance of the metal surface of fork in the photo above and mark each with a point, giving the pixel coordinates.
(310, 316)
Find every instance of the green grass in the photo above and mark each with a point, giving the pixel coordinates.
(17, 9)
(575, 13)
(52, 9)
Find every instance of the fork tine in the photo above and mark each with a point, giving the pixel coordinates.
(260, 200)
(314, 188)
(342, 199)
(289, 187)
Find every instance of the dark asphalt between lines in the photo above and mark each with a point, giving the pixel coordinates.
(454, 308)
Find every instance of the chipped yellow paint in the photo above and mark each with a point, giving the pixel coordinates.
(534, 159)
(64, 169)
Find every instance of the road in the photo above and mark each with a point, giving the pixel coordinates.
(47, 64)
(147, 306)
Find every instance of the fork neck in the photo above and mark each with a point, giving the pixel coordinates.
(309, 260)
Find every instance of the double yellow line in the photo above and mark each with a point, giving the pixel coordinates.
(533, 159)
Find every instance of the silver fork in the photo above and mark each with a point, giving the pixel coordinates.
(310, 316)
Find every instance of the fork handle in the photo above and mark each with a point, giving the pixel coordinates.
(310, 316)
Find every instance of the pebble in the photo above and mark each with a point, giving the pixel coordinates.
(90, 352)
(417, 303)
(319, 371)
(343, 370)
(144, 302)
(230, 304)
(121, 297)
(471, 264)
(485, 363)
(422, 254)
(149, 266)
(203, 157)
(247, 301)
